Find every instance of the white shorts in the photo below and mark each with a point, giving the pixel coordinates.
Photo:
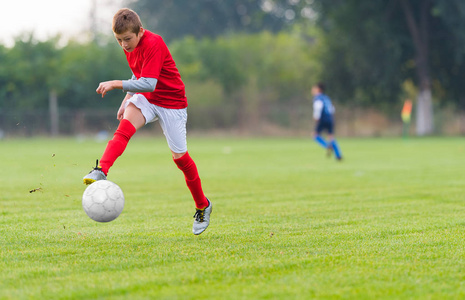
(172, 121)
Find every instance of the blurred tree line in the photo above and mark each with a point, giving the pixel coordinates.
(247, 61)
(31, 69)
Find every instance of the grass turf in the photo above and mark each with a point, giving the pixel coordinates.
(287, 222)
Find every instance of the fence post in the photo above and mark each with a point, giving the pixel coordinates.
(53, 109)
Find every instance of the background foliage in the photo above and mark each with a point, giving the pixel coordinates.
(245, 61)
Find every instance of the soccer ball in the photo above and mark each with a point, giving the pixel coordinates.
(103, 201)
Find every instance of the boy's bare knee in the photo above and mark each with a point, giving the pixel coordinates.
(177, 155)
(134, 115)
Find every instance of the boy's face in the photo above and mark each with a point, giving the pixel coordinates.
(316, 90)
(129, 40)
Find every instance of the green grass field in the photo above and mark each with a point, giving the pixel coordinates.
(287, 222)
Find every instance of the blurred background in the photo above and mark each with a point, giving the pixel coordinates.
(248, 65)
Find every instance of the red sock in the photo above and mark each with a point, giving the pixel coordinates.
(117, 145)
(188, 167)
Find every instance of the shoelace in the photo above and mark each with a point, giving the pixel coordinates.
(96, 167)
(199, 215)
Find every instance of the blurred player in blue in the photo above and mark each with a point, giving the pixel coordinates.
(323, 111)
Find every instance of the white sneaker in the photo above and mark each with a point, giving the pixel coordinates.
(94, 175)
(202, 219)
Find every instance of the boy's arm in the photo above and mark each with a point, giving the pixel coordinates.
(107, 86)
(317, 109)
(143, 84)
(133, 77)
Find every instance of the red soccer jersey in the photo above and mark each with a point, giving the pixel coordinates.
(152, 58)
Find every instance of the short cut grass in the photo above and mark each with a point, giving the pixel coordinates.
(126, 20)
(387, 223)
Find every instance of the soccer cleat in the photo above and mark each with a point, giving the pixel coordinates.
(202, 219)
(94, 175)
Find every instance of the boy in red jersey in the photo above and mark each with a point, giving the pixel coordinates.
(155, 92)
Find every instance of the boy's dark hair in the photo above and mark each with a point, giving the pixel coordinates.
(321, 86)
(126, 20)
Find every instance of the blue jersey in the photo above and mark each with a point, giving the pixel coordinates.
(327, 109)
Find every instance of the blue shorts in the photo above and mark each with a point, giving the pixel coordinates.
(323, 125)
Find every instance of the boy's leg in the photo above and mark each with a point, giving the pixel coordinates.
(337, 151)
(203, 205)
(132, 121)
(173, 123)
(317, 137)
(187, 165)
(320, 140)
(117, 145)
(333, 144)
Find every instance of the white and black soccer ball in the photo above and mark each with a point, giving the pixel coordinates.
(103, 201)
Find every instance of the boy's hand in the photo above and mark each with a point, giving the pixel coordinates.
(106, 86)
(120, 113)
